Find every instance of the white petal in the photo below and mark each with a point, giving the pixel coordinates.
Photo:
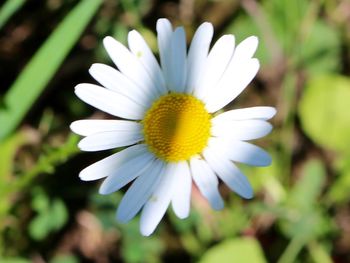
(207, 182)
(178, 69)
(156, 206)
(129, 64)
(239, 73)
(228, 172)
(107, 165)
(241, 130)
(89, 127)
(246, 48)
(242, 152)
(141, 50)
(197, 55)
(112, 79)
(164, 31)
(109, 101)
(109, 140)
(126, 172)
(260, 113)
(140, 191)
(236, 78)
(216, 64)
(182, 194)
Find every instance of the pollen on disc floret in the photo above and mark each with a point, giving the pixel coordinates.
(176, 127)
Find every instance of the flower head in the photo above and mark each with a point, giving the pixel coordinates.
(170, 123)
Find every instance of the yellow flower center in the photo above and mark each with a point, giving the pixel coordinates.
(176, 127)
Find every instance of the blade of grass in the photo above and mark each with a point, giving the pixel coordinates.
(9, 8)
(292, 251)
(34, 78)
(319, 253)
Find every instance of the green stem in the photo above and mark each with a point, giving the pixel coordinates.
(292, 251)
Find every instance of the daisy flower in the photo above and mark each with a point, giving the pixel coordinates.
(168, 121)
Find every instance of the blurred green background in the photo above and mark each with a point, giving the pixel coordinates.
(301, 212)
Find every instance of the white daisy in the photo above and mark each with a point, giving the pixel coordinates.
(172, 131)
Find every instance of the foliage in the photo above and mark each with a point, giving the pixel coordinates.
(235, 250)
(330, 95)
(301, 209)
(40, 69)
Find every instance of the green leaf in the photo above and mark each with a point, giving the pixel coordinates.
(40, 202)
(293, 29)
(303, 219)
(324, 111)
(306, 226)
(235, 250)
(304, 194)
(320, 53)
(52, 215)
(9, 8)
(136, 249)
(285, 18)
(319, 252)
(34, 78)
(339, 190)
(40, 226)
(58, 214)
